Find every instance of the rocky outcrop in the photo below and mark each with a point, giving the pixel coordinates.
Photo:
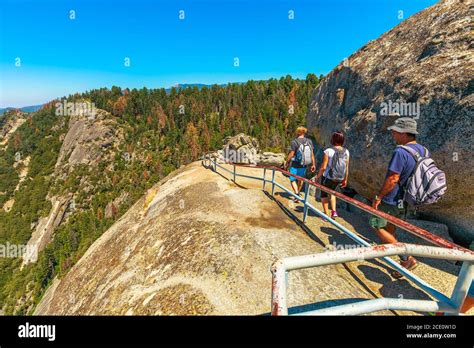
(271, 159)
(244, 149)
(196, 243)
(112, 209)
(10, 124)
(22, 167)
(45, 227)
(87, 141)
(422, 68)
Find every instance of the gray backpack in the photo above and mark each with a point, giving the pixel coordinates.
(337, 170)
(304, 153)
(427, 183)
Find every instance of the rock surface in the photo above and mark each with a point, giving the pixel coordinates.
(271, 159)
(45, 227)
(87, 141)
(427, 59)
(9, 125)
(196, 243)
(435, 227)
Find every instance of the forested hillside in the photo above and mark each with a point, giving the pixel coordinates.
(150, 133)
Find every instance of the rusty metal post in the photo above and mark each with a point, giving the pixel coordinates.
(306, 196)
(273, 181)
(463, 283)
(279, 306)
(234, 173)
(264, 174)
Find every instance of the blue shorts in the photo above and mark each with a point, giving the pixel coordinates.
(471, 290)
(297, 171)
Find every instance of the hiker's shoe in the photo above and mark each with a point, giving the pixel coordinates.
(334, 215)
(409, 264)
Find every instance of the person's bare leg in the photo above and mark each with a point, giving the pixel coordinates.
(333, 203)
(387, 234)
(300, 185)
(324, 201)
(294, 186)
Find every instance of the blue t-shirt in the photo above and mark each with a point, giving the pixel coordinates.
(401, 163)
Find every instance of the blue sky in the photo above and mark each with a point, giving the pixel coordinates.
(59, 55)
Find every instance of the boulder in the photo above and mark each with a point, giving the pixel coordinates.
(239, 140)
(421, 69)
(271, 159)
(241, 149)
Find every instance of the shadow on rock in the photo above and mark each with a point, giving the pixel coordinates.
(392, 288)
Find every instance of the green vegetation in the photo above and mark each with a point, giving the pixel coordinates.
(161, 132)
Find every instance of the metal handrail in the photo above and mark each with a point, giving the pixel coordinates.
(452, 305)
(307, 206)
(415, 230)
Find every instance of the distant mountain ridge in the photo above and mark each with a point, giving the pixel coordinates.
(31, 108)
(179, 86)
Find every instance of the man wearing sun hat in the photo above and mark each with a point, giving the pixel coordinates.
(390, 197)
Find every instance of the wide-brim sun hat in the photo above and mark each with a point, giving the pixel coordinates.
(404, 125)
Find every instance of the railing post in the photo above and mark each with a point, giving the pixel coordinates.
(234, 173)
(463, 283)
(215, 165)
(279, 306)
(306, 194)
(264, 175)
(273, 181)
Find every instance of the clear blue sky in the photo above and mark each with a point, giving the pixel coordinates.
(60, 56)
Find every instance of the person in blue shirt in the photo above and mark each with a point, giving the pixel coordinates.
(390, 197)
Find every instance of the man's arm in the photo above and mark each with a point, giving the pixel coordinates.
(313, 163)
(288, 159)
(389, 184)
